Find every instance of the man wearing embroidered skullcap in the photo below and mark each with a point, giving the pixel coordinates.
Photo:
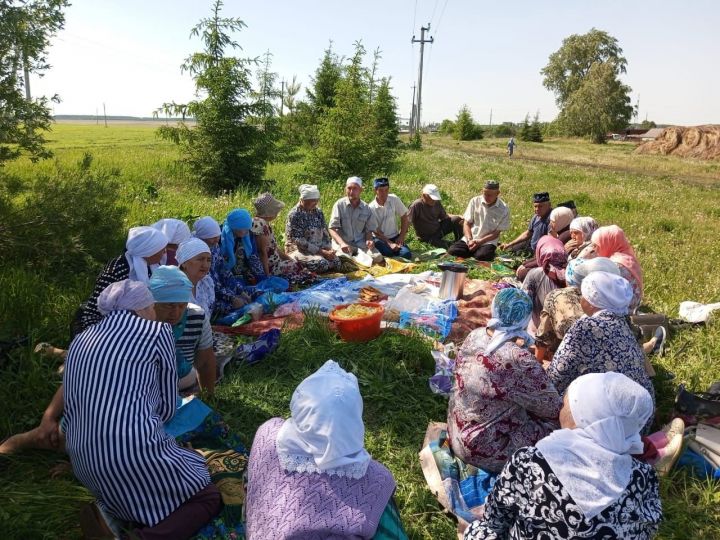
(352, 223)
(387, 207)
(485, 218)
(537, 228)
(430, 220)
(307, 239)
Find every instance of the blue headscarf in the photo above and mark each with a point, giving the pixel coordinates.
(170, 284)
(511, 312)
(236, 219)
(578, 269)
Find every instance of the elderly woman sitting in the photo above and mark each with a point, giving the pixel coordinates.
(580, 481)
(145, 247)
(177, 232)
(310, 476)
(549, 275)
(502, 398)
(603, 341)
(195, 259)
(230, 262)
(562, 306)
(307, 239)
(194, 355)
(611, 242)
(560, 219)
(274, 260)
(115, 437)
(581, 231)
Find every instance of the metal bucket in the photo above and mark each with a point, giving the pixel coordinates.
(453, 280)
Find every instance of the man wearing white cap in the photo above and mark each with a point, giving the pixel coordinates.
(352, 223)
(430, 220)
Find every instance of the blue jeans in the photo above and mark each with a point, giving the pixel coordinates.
(385, 250)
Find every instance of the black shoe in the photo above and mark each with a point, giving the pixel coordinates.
(700, 405)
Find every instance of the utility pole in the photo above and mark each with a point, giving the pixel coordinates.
(490, 118)
(104, 115)
(26, 70)
(422, 41)
(412, 115)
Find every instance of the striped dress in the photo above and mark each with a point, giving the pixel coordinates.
(120, 387)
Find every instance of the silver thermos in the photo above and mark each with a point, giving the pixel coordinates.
(452, 281)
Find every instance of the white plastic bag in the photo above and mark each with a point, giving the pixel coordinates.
(695, 312)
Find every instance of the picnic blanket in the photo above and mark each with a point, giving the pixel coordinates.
(460, 488)
(473, 308)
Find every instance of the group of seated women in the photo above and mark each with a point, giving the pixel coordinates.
(552, 395)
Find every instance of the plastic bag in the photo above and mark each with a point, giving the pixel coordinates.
(441, 382)
(434, 325)
(273, 284)
(695, 312)
(270, 301)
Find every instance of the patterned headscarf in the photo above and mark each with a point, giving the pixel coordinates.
(578, 269)
(586, 225)
(238, 219)
(511, 311)
(551, 256)
(612, 242)
(267, 206)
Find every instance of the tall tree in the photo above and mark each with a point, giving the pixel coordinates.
(585, 74)
(292, 89)
(25, 32)
(324, 83)
(223, 150)
(465, 127)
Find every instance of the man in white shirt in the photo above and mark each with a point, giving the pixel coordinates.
(486, 217)
(387, 208)
(352, 223)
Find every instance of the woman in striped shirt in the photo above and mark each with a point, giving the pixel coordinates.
(114, 433)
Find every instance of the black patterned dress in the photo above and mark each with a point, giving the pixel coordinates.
(528, 502)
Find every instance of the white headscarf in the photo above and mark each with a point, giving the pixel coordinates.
(593, 461)
(176, 230)
(309, 192)
(142, 242)
(124, 295)
(325, 433)
(189, 249)
(608, 292)
(206, 227)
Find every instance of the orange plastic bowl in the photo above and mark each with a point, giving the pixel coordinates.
(361, 328)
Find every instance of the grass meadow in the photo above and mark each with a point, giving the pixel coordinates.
(669, 207)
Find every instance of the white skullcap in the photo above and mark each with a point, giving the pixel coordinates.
(191, 248)
(309, 192)
(176, 230)
(206, 227)
(607, 291)
(356, 180)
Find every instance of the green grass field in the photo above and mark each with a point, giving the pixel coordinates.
(669, 208)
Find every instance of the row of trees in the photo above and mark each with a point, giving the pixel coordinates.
(346, 125)
(464, 128)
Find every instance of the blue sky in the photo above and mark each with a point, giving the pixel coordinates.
(487, 55)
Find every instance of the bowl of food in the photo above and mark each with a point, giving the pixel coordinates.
(359, 321)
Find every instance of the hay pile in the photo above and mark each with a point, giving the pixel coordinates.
(701, 142)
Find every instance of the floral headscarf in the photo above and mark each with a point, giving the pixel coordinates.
(550, 255)
(511, 311)
(586, 225)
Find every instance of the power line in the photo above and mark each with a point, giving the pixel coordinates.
(442, 12)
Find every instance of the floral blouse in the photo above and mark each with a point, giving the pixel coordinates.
(560, 311)
(227, 285)
(306, 231)
(529, 502)
(598, 344)
(499, 402)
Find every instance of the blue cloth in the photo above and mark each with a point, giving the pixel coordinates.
(238, 219)
(253, 352)
(385, 250)
(539, 227)
(188, 416)
(170, 284)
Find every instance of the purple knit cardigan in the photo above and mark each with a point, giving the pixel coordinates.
(284, 505)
